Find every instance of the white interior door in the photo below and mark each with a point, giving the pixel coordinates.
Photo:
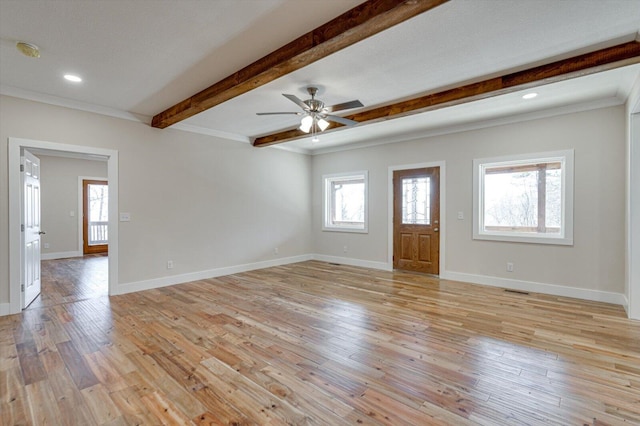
(31, 228)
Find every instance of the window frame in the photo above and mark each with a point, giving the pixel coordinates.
(327, 202)
(565, 237)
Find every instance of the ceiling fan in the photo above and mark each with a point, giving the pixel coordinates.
(315, 115)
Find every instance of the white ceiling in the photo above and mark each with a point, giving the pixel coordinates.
(139, 57)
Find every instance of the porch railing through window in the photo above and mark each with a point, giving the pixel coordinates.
(98, 233)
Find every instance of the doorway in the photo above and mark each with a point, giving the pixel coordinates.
(416, 212)
(95, 216)
(16, 263)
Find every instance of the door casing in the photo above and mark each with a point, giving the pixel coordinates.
(15, 219)
(391, 169)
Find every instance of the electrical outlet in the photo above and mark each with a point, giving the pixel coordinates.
(275, 250)
(345, 249)
(169, 264)
(509, 267)
(46, 245)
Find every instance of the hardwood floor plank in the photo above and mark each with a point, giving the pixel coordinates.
(13, 398)
(100, 404)
(316, 343)
(71, 404)
(8, 354)
(32, 369)
(80, 372)
(42, 404)
(164, 410)
(129, 403)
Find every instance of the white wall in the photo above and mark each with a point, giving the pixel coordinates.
(594, 264)
(632, 243)
(203, 202)
(207, 203)
(59, 197)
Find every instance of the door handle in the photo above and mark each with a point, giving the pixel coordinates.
(41, 233)
(435, 229)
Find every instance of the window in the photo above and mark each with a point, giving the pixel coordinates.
(526, 198)
(345, 202)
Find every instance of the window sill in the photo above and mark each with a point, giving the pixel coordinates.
(351, 230)
(523, 238)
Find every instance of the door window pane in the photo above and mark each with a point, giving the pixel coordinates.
(98, 214)
(416, 199)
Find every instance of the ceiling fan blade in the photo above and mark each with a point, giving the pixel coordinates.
(296, 100)
(341, 120)
(278, 113)
(345, 105)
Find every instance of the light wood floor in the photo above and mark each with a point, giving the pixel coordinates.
(314, 343)
(72, 279)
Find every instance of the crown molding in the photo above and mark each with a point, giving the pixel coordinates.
(72, 104)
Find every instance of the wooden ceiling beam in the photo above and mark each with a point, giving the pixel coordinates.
(577, 66)
(359, 23)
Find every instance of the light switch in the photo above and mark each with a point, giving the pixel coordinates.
(460, 215)
(72, 213)
(125, 217)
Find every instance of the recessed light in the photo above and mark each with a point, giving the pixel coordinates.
(530, 95)
(72, 78)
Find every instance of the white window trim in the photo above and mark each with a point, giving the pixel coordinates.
(326, 206)
(566, 236)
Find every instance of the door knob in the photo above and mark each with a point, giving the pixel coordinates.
(41, 233)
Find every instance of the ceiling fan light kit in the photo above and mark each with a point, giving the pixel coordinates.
(316, 115)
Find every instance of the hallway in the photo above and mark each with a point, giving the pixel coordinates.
(72, 279)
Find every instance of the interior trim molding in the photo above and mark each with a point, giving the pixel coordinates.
(203, 275)
(443, 208)
(536, 287)
(405, 137)
(450, 129)
(530, 286)
(353, 262)
(60, 255)
(15, 92)
(5, 309)
(15, 146)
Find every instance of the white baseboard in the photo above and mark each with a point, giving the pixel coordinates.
(535, 287)
(625, 305)
(5, 309)
(353, 262)
(202, 275)
(530, 286)
(60, 255)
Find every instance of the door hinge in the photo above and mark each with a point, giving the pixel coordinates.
(22, 227)
(22, 287)
(22, 167)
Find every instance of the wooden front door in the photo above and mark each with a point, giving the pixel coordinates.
(95, 206)
(416, 220)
